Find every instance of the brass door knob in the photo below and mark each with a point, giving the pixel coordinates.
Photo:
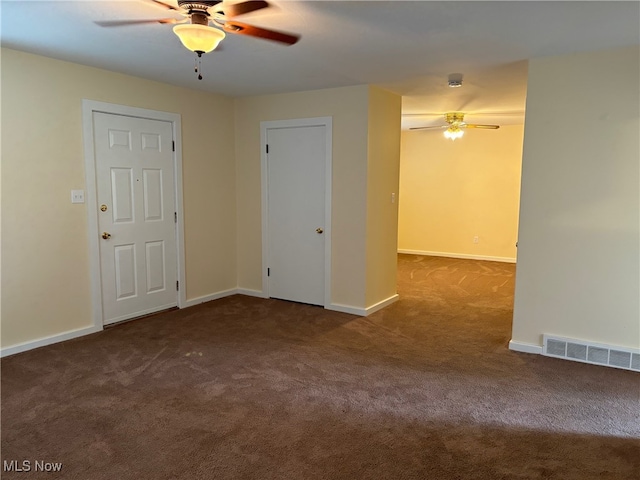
(319, 230)
(106, 235)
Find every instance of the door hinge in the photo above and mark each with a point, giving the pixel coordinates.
(268, 272)
(173, 145)
(177, 285)
(267, 148)
(175, 217)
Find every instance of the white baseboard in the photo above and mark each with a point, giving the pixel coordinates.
(210, 297)
(458, 255)
(251, 293)
(525, 347)
(337, 307)
(61, 337)
(380, 305)
(362, 312)
(222, 294)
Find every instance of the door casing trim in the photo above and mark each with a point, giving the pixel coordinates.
(91, 198)
(326, 122)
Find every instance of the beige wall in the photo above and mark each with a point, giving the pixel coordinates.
(45, 267)
(349, 108)
(452, 191)
(579, 243)
(382, 180)
(579, 256)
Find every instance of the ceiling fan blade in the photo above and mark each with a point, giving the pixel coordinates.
(237, 9)
(429, 114)
(124, 23)
(489, 127)
(168, 6)
(429, 128)
(245, 29)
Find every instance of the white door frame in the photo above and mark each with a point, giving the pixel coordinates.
(298, 122)
(91, 198)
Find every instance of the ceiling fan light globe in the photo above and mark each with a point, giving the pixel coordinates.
(453, 133)
(199, 38)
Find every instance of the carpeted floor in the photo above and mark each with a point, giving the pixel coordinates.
(246, 388)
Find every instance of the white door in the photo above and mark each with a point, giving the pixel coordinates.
(296, 169)
(136, 221)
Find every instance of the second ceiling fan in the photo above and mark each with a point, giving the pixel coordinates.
(455, 125)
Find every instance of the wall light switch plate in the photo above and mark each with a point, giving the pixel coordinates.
(77, 196)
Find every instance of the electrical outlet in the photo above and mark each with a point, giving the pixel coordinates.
(476, 239)
(77, 196)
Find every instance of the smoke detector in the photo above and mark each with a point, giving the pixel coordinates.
(455, 80)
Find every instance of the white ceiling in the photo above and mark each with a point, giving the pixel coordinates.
(407, 47)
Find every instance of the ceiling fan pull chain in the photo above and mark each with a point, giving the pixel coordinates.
(198, 67)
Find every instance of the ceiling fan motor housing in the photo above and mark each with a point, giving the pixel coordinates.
(454, 118)
(200, 6)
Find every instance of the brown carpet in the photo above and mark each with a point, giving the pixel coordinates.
(246, 388)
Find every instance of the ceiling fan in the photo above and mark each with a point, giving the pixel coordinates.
(455, 125)
(206, 21)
